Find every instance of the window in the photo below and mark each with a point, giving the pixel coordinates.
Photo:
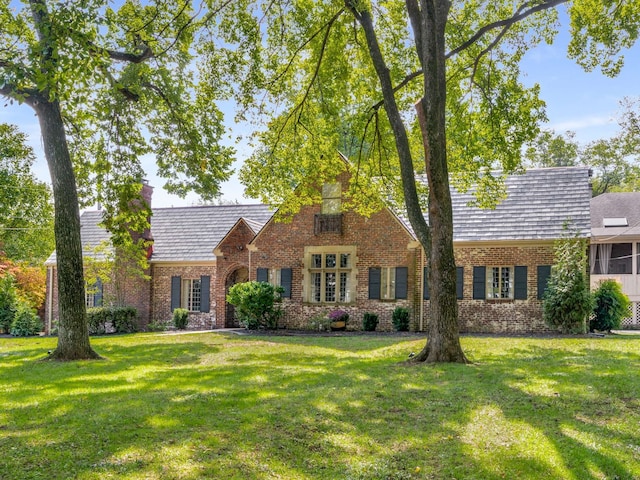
(505, 283)
(331, 198)
(281, 277)
(330, 274)
(191, 294)
(499, 282)
(611, 258)
(93, 294)
(388, 283)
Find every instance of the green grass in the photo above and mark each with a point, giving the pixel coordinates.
(223, 406)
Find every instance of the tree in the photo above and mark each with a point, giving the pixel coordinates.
(552, 150)
(567, 300)
(428, 86)
(614, 160)
(26, 211)
(109, 86)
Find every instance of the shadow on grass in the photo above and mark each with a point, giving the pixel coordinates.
(291, 407)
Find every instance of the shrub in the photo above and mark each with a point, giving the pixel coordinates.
(25, 322)
(122, 319)
(125, 319)
(369, 322)
(567, 301)
(320, 323)
(257, 304)
(181, 318)
(156, 326)
(610, 306)
(8, 302)
(97, 320)
(400, 319)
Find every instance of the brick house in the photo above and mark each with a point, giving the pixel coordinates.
(328, 257)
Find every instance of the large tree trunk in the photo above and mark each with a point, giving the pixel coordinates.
(443, 344)
(73, 333)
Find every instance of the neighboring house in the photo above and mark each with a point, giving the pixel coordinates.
(615, 246)
(327, 257)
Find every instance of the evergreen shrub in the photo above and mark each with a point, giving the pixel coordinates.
(400, 319)
(369, 322)
(181, 318)
(610, 306)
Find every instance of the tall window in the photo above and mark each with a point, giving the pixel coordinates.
(388, 283)
(190, 294)
(330, 274)
(499, 282)
(331, 198)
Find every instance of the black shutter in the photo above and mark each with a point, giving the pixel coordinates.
(479, 282)
(176, 282)
(544, 272)
(520, 283)
(262, 275)
(97, 299)
(425, 283)
(374, 283)
(460, 283)
(205, 289)
(285, 282)
(402, 275)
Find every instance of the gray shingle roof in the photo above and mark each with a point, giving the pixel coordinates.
(191, 233)
(615, 205)
(187, 234)
(537, 205)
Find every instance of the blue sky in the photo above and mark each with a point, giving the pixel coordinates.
(586, 103)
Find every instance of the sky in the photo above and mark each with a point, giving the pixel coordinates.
(586, 103)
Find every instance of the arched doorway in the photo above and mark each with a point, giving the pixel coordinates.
(240, 275)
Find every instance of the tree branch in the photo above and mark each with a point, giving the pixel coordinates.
(520, 14)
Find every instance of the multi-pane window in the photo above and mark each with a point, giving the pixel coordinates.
(330, 276)
(191, 294)
(90, 298)
(500, 282)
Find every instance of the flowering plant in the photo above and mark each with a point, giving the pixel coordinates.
(338, 316)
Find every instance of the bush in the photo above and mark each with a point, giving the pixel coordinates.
(8, 302)
(122, 319)
(610, 306)
(567, 301)
(181, 318)
(25, 322)
(400, 319)
(320, 323)
(97, 320)
(125, 319)
(369, 322)
(257, 304)
(156, 327)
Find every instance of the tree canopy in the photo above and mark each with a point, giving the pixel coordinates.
(109, 84)
(26, 208)
(422, 86)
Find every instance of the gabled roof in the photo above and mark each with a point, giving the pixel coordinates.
(186, 234)
(619, 205)
(537, 205)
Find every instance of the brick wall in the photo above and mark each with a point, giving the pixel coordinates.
(161, 294)
(501, 316)
(380, 241)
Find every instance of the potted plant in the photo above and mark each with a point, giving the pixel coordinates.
(339, 319)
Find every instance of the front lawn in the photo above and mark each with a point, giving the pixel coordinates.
(219, 406)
